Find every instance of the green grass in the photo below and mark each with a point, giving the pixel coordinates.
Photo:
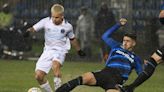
(18, 76)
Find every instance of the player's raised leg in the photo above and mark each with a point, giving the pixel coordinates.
(58, 60)
(86, 79)
(43, 66)
(57, 74)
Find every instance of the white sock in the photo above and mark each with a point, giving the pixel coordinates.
(57, 82)
(46, 87)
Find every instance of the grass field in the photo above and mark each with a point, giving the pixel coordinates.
(18, 76)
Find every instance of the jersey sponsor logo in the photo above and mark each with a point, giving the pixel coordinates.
(130, 58)
(62, 31)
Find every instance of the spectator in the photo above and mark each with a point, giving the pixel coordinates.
(6, 17)
(85, 30)
(104, 19)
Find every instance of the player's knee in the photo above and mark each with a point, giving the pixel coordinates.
(89, 79)
(39, 77)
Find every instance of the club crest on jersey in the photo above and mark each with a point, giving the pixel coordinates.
(48, 29)
(62, 30)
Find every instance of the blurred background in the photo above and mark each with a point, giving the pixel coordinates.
(90, 18)
(18, 15)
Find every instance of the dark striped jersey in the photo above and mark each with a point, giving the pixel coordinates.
(121, 58)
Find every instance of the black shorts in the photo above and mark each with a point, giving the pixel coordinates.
(107, 78)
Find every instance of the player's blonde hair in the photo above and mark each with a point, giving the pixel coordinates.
(57, 8)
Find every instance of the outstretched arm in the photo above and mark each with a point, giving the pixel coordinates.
(38, 26)
(74, 42)
(76, 45)
(26, 33)
(31, 29)
(107, 35)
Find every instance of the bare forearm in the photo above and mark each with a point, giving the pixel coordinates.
(75, 44)
(31, 29)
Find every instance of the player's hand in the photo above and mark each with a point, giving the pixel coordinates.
(27, 32)
(81, 53)
(31, 29)
(123, 21)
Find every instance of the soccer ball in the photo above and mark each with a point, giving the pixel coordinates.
(34, 89)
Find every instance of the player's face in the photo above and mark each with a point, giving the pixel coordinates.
(161, 17)
(161, 14)
(128, 43)
(57, 18)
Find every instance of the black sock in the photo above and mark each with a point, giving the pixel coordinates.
(70, 85)
(75, 82)
(146, 74)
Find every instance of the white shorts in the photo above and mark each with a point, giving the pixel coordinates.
(48, 56)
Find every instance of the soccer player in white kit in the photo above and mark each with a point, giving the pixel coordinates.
(58, 35)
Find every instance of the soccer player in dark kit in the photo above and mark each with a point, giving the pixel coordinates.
(118, 66)
(156, 58)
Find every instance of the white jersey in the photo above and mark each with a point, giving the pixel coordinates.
(56, 36)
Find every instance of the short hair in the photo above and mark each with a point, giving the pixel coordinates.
(83, 8)
(131, 35)
(57, 8)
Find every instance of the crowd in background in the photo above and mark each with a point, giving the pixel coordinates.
(88, 27)
(89, 24)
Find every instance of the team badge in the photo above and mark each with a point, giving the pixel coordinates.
(62, 30)
(48, 29)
